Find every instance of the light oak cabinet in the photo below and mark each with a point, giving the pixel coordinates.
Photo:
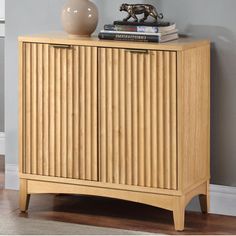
(116, 119)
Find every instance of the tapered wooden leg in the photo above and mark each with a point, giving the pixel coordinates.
(204, 203)
(205, 200)
(24, 196)
(179, 214)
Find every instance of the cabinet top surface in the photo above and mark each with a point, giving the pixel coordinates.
(63, 38)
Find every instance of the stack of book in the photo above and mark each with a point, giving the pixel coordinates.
(159, 32)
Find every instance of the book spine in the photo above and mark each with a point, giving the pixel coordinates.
(127, 28)
(129, 37)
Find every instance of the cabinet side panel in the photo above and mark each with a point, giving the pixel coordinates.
(193, 115)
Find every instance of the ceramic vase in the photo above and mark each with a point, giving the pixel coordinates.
(79, 17)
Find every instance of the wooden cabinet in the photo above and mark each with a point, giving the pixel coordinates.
(116, 119)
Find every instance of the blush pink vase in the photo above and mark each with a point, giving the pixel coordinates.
(79, 17)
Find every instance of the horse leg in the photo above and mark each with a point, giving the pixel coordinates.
(154, 16)
(135, 17)
(127, 18)
(145, 17)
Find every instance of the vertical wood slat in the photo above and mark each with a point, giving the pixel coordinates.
(94, 116)
(173, 112)
(70, 95)
(116, 139)
(64, 107)
(82, 113)
(109, 113)
(52, 111)
(45, 110)
(122, 114)
(76, 112)
(154, 121)
(102, 117)
(135, 133)
(146, 113)
(141, 115)
(28, 109)
(128, 112)
(60, 111)
(34, 109)
(167, 118)
(40, 109)
(160, 90)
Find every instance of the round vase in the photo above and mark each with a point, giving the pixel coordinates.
(79, 17)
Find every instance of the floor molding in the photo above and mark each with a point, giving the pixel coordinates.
(2, 143)
(223, 198)
(222, 201)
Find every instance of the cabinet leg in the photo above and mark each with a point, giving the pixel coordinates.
(205, 199)
(179, 214)
(204, 203)
(24, 196)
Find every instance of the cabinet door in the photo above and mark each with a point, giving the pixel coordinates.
(137, 117)
(59, 111)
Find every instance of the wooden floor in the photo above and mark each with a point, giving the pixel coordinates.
(112, 213)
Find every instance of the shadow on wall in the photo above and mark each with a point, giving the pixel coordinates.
(223, 98)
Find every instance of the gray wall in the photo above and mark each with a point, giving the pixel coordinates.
(213, 19)
(1, 84)
(22, 17)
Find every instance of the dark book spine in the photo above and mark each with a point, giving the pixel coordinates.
(129, 37)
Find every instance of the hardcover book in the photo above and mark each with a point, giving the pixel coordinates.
(139, 28)
(138, 37)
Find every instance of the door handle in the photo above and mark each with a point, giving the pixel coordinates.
(142, 51)
(62, 46)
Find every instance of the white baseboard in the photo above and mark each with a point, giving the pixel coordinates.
(2, 143)
(223, 198)
(11, 177)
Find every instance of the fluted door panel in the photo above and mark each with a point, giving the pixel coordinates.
(137, 117)
(59, 101)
